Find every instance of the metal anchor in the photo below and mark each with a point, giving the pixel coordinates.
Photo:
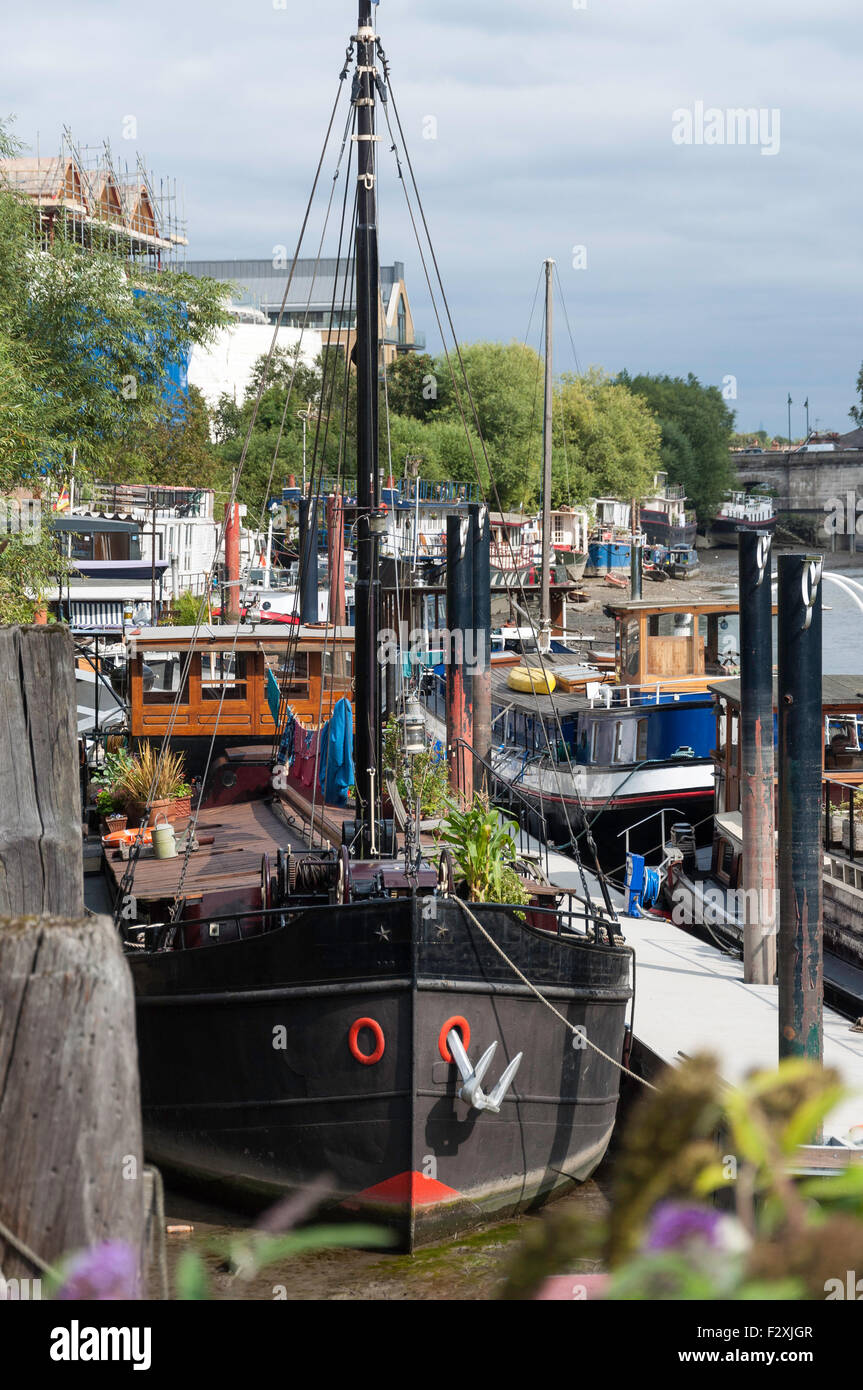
(472, 1076)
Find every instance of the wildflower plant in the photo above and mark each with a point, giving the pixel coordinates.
(706, 1202)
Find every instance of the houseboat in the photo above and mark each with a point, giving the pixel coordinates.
(610, 540)
(702, 885)
(740, 511)
(514, 541)
(317, 996)
(613, 749)
(570, 529)
(663, 516)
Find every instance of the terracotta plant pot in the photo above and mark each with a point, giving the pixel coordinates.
(173, 808)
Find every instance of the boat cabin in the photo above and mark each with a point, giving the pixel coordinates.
(842, 763)
(682, 645)
(235, 677)
(513, 542)
(569, 530)
(842, 759)
(663, 516)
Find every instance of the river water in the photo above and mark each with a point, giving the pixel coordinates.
(842, 628)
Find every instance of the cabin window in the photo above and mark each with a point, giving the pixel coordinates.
(341, 681)
(842, 743)
(292, 673)
(725, 860)
(617, 754)
(641, 741)
(594, 742)
(670, 625)
(223, 676)
(165, 670)
(722, 644)
(632, 647)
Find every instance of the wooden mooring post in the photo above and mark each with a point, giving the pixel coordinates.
(71, 1156)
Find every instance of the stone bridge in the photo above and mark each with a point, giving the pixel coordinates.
(824, 490)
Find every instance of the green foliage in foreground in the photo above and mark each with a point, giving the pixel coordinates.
(703, 1204)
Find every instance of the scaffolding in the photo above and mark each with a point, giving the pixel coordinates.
(104, 202)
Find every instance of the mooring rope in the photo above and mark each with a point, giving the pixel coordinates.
(542, 999)
(24, 1250)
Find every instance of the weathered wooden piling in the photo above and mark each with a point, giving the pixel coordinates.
(801, 947)
(71, 1159)
(756, 749)
(41, 863)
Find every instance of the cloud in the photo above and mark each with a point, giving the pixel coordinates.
(553, 130)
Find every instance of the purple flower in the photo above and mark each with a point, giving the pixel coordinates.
(675, 1225)
(105, 1272)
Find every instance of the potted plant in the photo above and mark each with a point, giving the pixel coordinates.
(429, 774)
(112, 818)
(158, 783)
(483, 849)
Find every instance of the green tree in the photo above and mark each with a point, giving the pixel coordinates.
(700, 414)
(87, 343)
(856, 411)
(751, 440)
(505, 381)
(168, 451)
(412, 385)
(606, 440)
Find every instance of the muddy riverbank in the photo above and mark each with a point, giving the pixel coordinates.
(471, 1267)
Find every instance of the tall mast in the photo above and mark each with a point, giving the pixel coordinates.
(367, 673)
(545, 598)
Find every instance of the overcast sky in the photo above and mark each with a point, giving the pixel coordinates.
(554, 132)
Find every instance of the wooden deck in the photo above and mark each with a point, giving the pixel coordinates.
(241, 835)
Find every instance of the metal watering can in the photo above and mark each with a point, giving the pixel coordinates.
(164, 838)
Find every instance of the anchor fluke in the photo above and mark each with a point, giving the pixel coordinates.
(471, 1091)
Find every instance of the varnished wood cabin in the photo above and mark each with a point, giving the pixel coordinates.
(250, 665)
(680, 645)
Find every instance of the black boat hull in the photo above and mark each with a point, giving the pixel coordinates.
(260, 1089)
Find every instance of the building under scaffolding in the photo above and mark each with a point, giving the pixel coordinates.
(101, 201)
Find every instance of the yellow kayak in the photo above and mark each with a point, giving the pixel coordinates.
(531, 678)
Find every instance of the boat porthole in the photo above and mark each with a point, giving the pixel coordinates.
(464, 1028)
(367, 1060)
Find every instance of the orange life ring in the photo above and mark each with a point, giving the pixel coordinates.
(463, 1027)
(370, 1059)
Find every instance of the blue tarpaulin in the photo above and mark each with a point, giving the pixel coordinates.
(274, 698)
(336, 769)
